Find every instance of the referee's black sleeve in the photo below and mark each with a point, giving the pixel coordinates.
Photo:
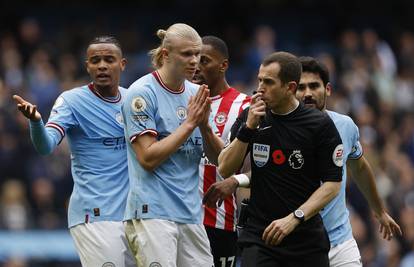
(241, 119)
(329, 152)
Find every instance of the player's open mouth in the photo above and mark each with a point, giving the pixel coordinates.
(309, 102)
(103, 76)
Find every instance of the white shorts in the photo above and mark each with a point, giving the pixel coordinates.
(165, 243)
(102, 244)
(345, 255)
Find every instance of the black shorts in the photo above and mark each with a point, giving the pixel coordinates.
(308, 246)
(258, 256)
(223, 246)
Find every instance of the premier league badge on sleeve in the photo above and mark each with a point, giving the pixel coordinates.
(338, 156)
(138, 104)
(260, 154)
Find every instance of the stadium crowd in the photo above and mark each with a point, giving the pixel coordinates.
(373, 82)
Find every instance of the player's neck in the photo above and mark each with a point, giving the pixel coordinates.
(106, 91)
(220, 87)
(287, 108)
(173, 82)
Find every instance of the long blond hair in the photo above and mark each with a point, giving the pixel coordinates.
(178, 31)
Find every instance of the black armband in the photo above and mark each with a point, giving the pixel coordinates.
(245, 134)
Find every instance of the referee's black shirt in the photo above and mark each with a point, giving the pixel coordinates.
(290, 156)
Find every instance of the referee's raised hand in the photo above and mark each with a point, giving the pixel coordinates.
(257, 110)
(27, 109)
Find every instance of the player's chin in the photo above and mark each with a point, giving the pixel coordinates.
(101, 83)
(189, 75)
(103, 79)
(310, 105)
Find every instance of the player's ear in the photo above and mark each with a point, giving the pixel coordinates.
(292, 87)
(123, 64)
(224, 65)
(87, 66)
(165, 53)
(328, 89)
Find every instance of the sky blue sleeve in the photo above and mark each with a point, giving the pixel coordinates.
(356, 151)
(139, 114)
(44, 140)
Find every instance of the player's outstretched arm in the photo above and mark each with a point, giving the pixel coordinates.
(42, 141)
(364, 177)
(27, 109)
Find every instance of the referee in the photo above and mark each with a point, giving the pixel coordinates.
(296, 160)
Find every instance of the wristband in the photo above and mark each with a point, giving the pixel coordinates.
(245, 134)
(243, 179)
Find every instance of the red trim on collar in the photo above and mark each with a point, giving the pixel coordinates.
(115, 100)
(163, 85)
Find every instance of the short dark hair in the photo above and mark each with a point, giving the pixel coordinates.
(106, 39)
(217, 44)
(290, 67)
(310, 64)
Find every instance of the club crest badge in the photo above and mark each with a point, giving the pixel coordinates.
(220, 119)
(181, 113)
(138, 104)
(119, 119)
(260, 154)
(296, 160)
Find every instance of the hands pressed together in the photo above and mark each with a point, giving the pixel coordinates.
(199, 108)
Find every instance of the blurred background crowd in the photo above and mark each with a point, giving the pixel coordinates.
(370, 57)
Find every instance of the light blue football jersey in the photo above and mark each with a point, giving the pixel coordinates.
(169, 192)
(94, 128)
(336, 215)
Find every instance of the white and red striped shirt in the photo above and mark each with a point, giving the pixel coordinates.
(225, 109)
